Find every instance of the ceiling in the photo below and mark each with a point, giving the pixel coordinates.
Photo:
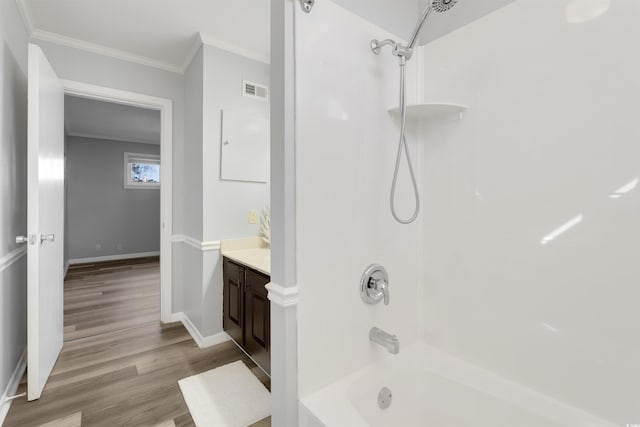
(109, 121)
(166, 33)
(464, 12)
(160, 33)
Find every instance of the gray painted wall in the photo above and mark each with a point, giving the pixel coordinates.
(215, 209)
(192, 258)
(100, 210)
(87, 67)
(193, 84)
(226, 204)
(13, 179)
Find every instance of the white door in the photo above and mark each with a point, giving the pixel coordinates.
(45, 213)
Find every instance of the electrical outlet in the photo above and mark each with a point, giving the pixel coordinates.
(119, 246)
(98, 247)
(253, 217)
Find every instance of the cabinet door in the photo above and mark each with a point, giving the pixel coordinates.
(257, 319)
(233, 297)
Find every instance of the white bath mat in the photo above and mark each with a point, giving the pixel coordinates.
(228, 396)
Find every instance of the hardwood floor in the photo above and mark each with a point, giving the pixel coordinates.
(119, 366)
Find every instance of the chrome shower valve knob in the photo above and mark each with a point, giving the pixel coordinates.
(374, 285)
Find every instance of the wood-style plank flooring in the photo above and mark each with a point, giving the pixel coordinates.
(119, 366)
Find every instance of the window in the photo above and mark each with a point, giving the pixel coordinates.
(141, 170)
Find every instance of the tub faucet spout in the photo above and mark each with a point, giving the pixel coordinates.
(388, 341)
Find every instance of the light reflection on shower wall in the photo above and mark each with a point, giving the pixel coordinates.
(532, 226)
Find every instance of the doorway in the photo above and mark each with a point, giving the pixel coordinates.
(112, 217)
(164, 106)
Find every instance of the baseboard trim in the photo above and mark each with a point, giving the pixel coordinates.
(113, 257)
(203, 342)
(175, 317)
(12, 386)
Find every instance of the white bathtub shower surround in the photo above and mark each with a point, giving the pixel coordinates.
(432, 388)
(531, 202)
(345, 152)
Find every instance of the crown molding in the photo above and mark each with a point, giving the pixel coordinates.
(110, 138)
(191, 54)
(27, 16)
(58, 39)
(201, 39)
(204, 39)
(229, 47)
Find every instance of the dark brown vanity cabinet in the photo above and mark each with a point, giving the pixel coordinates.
(246, 311)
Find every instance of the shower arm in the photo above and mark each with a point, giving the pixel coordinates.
(399, 50)
(404, 52)
(416, 32)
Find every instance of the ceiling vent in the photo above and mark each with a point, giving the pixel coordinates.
(254, 90)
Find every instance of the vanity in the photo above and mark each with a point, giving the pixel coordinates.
(246, 310)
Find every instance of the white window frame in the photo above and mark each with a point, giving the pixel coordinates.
(140, 158)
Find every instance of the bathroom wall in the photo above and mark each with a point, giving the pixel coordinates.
(13, 185)
(217, 209)
(531, 228)
(345, 149)
(226, 204)
(191, 257)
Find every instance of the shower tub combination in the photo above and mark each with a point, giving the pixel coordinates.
(431, 388)
(422, 385)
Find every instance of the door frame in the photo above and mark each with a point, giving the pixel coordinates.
(165, 106)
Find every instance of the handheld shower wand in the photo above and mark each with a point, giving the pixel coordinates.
(404, 53)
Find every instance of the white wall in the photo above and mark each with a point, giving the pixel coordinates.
(13, 181)
(99, 209)
(345, 151)
(552, 133)
(86, 67)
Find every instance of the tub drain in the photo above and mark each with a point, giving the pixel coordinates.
(384, 398)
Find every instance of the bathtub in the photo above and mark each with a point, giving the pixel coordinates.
(433, 389)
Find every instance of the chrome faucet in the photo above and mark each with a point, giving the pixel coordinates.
(374, 285)
(388, 341)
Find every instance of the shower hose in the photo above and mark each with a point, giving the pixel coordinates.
(402, 144)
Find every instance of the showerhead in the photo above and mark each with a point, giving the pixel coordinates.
(435, 5)
(405, 52)
(443, 5)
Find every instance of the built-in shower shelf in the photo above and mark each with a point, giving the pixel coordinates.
(430, 109)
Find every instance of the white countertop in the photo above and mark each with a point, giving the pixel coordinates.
(251, 252)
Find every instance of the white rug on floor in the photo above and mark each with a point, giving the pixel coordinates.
(228, 396)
